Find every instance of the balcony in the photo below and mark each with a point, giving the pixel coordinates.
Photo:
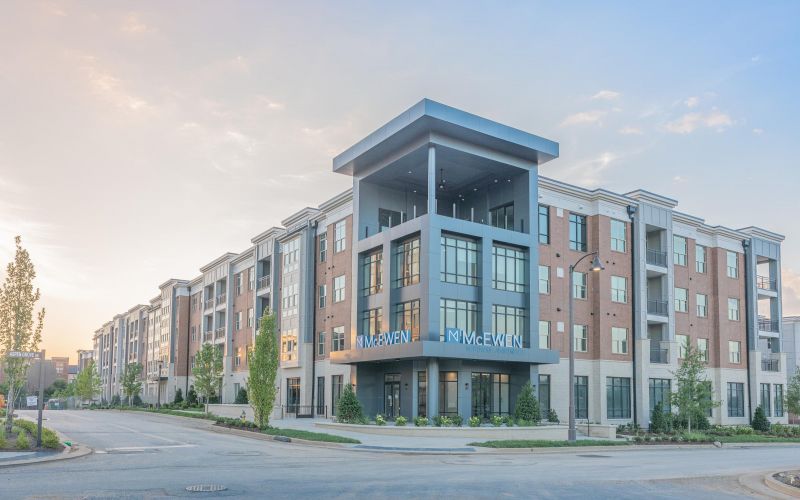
(221, 298)
(209, 303)
(658, 307)
(219, 333)
(765, 283)
(659, 352)
(771, 362)
(656, 257)
(208, 336)
(768, 325)
(263, 282)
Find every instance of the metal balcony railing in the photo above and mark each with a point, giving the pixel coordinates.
(220, 333)
(771, 363)
(263, 282)
(768, 325)
(656, 257)
(209, 303)
(657, 307)
(765, 283)
(208, 336)
(221, 298)
(659, 353)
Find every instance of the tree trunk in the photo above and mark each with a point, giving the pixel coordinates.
(9, 407)
(689, 419)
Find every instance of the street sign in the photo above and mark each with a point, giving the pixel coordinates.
(32, 401)
(23, 354)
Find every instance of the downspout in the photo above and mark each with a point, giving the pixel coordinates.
(631, 213)
(748, 330)
(313, 267)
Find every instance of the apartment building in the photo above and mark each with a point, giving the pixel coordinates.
(85, 356)
(417, 287)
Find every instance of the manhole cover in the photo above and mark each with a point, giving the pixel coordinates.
(205, 488)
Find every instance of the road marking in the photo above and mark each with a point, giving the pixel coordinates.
(154, 436)
(142, 448)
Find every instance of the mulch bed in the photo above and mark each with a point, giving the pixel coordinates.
(790, 478)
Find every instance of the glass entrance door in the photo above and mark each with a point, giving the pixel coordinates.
(391, 395)
(489, 394)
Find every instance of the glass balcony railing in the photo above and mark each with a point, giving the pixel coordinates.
(656, 257)
(220, 333)
(221, 298)
(768, 325)
(659, 353)
(263, 282)
(657, 307)
(771, 362)
(209, 303)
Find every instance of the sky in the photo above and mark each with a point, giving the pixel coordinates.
(141, 140)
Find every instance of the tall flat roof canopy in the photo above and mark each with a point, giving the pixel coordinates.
(427, 117)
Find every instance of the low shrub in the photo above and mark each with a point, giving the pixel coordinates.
(760, 422)
(552, 416)
(456, 420)
(442, 421)
(475, 421)
(421, 421)
(115, 401)
(496, 420)
(400, 421)
(22, 440)
(380, 419)
(3, 442)
(509, 421)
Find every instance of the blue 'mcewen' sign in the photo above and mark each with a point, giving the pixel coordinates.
(485, 339)
(382, 339)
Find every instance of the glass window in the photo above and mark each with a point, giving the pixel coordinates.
(459, 261)
(422, 394)
(683, 345)
(509, 320)
(681, 300)
(735, 399)
(339, 236)
(660, 390)
(321, 344)
(544, 334)
(457, 314)
(406, 317)
(372, 272)
(618, 397)
(702, 347)
(291, 251)
(503, 216)
(338, 288)
(733, 265)
(371, 321)
(323, 247)
(618, 237)
(544, 395)
(579, 285)
(577, 232)
(700, 258)
(581, 338)
(619, 289)
(292, 394)
(320, 395)
(337, 383)
(407, 262)
(544, 224)
(619, 340)
(734, 352)
(323, 295)
(544, 279)
(448, 393)
(581, 396)
(238, 321)
(679, 250)
(766, 404)
(389, 218)
(702, 305)
(778, 400)
(337, 339)
(733, 309)
(508, 269)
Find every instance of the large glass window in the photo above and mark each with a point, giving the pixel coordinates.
(679, 250)
(338, 288)
(320, 395)
(323, 247)
(544, 279)
(422, 394)
(371, 321)
(702, 348)
(323, 296)
(321, 344)
(339, 236)
(337, 339)
(581, 338)
(733, 264)
(490, 394)
(502, 216)
(766, 404)
(683, 345)
(337, 383)
(619, 289)
(292, 394)
(372, 273)
(448, 393)
(581, 396)
(577, 232)
(544, 224)
(544, 334)
(508, 269)
(618, 236)
(579, 290)
(459, 261)
(618, 397)
(619, 340)
(291, 251)
(406, 317)
(702, 305)
(457, 314)
(509, 320)
(733, 309)
(700, 258)
(660, 390)
(407, 262)
(778, 400)
(544, 395)
(734, 352)
(681, 300)
(735, 399)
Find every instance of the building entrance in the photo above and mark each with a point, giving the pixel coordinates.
(391, 395)
(489, 394)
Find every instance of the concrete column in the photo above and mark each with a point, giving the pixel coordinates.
(433, 387)
(431, 180)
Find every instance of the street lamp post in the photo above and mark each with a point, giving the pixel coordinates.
(596, 267)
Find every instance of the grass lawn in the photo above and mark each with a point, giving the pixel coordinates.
(542, 443)
(310, 436)
(754, 438)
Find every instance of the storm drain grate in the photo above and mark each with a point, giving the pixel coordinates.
(205, 488)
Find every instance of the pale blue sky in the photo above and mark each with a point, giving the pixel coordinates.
(141, 140)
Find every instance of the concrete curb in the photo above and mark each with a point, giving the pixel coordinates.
(77, 450)
(279, 439)
(762, 484)
(774, 484)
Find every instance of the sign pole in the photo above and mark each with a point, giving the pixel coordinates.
(41, 400)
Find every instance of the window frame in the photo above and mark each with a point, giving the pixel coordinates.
(618, 244)
(340, 236)
(619, 347)
(577, 232)
(680, 259)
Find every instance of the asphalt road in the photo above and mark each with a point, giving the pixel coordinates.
(141, 455)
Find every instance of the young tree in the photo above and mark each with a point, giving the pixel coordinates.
(348, 409)
(527, 408)
(178, 396)
(207, 371)
(87, 383)
(263, 363)
(19, 331)
(760, 421)
(693, 396)
(191, 396)
(793, 394)
(241, 397)
(131, 385)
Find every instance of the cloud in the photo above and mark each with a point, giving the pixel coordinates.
(678, 179)
(758, 131)
(269, 103)
(110, 88)
(589, 172)
(790, 281)
(629, 130)
(584, 117)
(131, 23)
(692, 102)
(690, 122)
(606, 95)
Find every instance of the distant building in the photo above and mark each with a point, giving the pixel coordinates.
(61, 365)
(72, 372)
(85, 356)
